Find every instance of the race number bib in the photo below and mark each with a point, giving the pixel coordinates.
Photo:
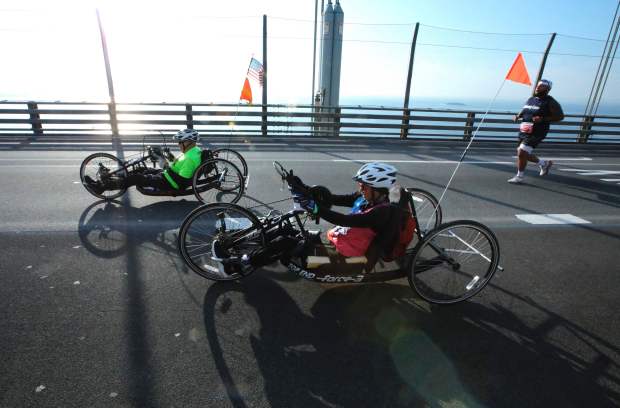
(526, 127)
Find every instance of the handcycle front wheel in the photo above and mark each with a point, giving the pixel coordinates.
(218, 180)
(454, 262)
(234, 157)
(99, 166)
(237, 230)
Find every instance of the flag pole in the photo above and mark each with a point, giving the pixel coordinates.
(234, 121)
(249, 65)
(465, 153)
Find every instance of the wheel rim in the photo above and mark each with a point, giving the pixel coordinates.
(218, 180)
(99, 167)
(202, 227)
(454, 262)
(425, 204)
(234, 157)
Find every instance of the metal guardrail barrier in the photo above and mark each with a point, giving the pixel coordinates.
(21, 120)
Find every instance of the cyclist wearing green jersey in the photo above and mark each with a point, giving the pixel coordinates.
(176, 176)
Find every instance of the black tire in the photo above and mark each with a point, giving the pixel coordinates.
(234, 157)
(218, 180)
(203, 225)
(454, 262)
(425, 204)
(91, 167)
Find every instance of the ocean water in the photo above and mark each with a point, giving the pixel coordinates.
(572, 107)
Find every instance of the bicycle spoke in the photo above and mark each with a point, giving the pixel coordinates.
(454, 262)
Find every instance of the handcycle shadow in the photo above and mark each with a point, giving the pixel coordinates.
(378, 345)
(107, 227)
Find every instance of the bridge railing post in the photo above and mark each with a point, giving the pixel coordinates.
(35, 119)
(113, 118)
(586, 129)
(189, 117)
(404, 128)
(469, 126)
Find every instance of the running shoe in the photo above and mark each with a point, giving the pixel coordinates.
(516, 180)
(545, 169)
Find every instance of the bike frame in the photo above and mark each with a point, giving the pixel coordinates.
(134, 164)
(274, 227)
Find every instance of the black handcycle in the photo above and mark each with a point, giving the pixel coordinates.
(446, 263)
(221, 177)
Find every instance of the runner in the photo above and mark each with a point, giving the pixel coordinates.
(539, 111)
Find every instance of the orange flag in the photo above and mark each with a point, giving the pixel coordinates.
(518, 71)
(246, 92)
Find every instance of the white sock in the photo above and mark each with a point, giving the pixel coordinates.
(542, 162)
(519, 174)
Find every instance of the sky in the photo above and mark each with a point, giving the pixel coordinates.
(198, 51)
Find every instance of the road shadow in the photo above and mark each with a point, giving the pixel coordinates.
(380, 346)
(106, 227)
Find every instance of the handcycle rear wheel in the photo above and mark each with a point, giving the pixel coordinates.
(234, 157)
(237, 229)
(218, 180)
(454, 262)
(97, 166)
(425, 204)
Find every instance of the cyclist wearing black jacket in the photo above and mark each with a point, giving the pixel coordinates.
(373, 226)
(371, 229)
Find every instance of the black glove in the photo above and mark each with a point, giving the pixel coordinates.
(169, 156)
(306, 203)
(295, 184)
(156, 151)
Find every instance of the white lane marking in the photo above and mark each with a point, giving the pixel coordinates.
(321, 145)
(32, 166)
(42, 159)
(74, 143)
(77, 143)
(550, 219)
(10, 143)
(598, 173)
(584, 172)
(565, 158)
(414, 161)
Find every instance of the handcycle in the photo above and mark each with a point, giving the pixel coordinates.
(222, 175)
(446, 263)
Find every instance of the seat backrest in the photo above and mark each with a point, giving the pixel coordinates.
(205, 155)
(402, 227)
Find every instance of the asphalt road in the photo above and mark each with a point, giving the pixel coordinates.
(98, 310)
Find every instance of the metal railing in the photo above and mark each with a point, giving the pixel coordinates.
(21, 120)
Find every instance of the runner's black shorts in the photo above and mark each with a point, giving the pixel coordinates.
(530, 140)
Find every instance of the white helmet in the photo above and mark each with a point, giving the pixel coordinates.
(376, 175)
(186, 135)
